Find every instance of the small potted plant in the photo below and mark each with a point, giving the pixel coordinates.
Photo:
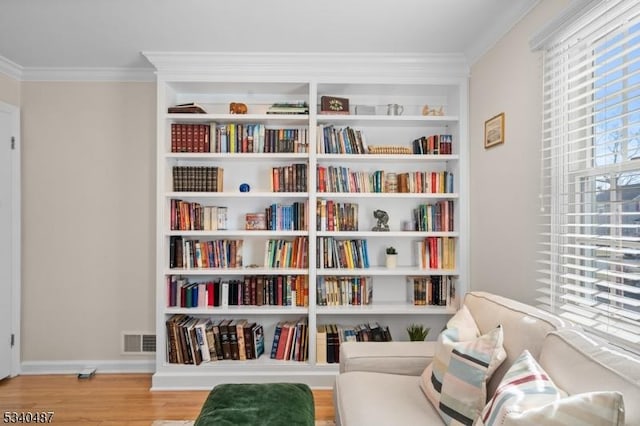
(392, 257)
(418, 332)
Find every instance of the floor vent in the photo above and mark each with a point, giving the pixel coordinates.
(138, 343)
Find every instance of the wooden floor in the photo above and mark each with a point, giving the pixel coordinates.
(111, 399)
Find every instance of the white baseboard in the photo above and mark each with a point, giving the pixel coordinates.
(74, 367)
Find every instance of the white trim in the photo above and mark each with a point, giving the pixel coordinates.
(10, 68)
(493, 34)
(203, 380)
(88, 74)
(575, 9)
(203, 66)
(16, 285)
(74, 367)
(286, 66)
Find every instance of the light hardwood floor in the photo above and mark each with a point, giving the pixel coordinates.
(111, 399)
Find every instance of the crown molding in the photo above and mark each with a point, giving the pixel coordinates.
(10, 68)
(222, 65)
(573, 11)
(89, 74)
(490, 37)
(291, 66)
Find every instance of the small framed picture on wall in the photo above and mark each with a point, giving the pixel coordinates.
(494, 131)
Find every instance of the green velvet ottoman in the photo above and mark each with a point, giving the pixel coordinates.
(267, 404)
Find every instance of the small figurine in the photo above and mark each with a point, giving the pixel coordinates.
(237, 108)
(426, 110)
(383, 220)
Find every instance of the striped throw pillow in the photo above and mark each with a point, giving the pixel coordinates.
(526, 396)
(456, 381)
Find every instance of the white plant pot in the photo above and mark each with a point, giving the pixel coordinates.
(392, 260)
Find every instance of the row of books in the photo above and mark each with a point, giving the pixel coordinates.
(424, 182)
(256, 138)
(190, 137)
(347, 140)
(282, 253)
(336, 216)
(344, 291)
(192, 216)
(291, 341)
(436, 217)
(436, 253)
(192, 340)
(344, 179)
(332, 253)
(433, 290)
(433, 145)
(286, 217)
(198, 179)
(330, 336)
(184, 253)
(251, 290)
(291, 178)
(237, 138)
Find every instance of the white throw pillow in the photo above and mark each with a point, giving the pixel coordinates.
(527, 396)
(455, 382)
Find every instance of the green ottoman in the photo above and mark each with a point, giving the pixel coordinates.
(267, 404)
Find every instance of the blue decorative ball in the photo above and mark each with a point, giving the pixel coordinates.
(245, 187)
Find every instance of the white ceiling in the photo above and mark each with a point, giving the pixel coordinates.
(101, 34)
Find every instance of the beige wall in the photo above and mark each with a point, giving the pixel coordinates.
(9, 90)
(88, 172)
(505, 179)
(88, 245)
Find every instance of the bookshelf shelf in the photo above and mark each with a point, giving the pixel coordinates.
(238, 194)
(395, 158)
(387, 120)
(239, 233)
(268, 119)
(236, 271)
(433, 154)
(241, 157)
(390, 234)
(384, 309)
(399, 271)
(385, 195)
(242, 310)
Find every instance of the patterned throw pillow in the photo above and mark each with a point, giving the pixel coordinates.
(527, 396)
(455, 382)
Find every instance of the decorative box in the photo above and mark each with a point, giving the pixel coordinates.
(334, 105)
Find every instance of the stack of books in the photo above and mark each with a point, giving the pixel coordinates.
(289, 108)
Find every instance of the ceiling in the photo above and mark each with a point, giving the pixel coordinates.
(104, 34)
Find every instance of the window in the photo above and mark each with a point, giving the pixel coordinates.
(590, 180)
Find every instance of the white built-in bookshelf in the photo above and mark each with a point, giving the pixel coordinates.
(222, 261)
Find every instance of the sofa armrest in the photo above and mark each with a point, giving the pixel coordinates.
(406, 358)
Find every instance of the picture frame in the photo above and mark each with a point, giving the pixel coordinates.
(494, 131)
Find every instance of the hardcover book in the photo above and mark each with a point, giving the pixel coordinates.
(189, 108)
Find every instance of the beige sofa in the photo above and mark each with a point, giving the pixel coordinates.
(378, 383)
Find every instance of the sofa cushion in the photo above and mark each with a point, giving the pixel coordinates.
(580, 363)
(409, 358)
(524, 326)
(455, 382)
(365, 398)
(527, 396)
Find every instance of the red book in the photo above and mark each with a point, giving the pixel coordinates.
(282, 342)
(210, 293)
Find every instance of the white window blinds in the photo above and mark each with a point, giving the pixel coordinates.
(590, 231)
